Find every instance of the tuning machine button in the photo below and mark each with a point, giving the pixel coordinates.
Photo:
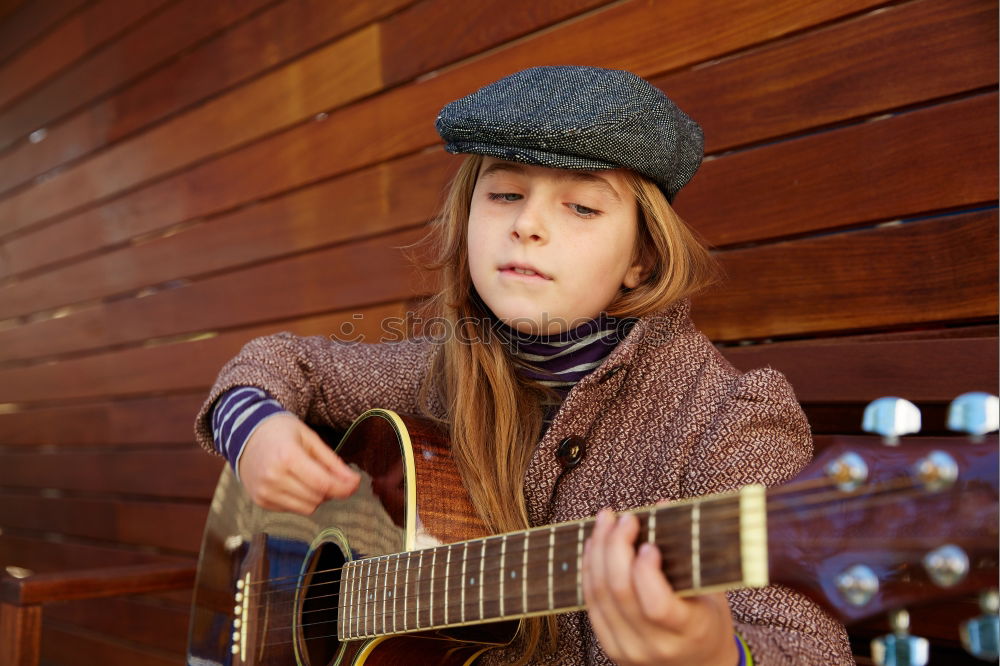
(981, 634)
(857, 584)
(946, 565)
(848, 471)
(937, 471)
(975, 413)
(892, 418)
(900, 648)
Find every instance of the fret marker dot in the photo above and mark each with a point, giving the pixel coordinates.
(513, 574)
(472, 581)
(565, 566)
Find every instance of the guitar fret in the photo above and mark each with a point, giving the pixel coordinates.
(695, 545)
(406, 588)
(385, 591)
(368, 582)
(374, 596)
(420, 569)
(503, 554)
(395, 592)
(357, 602)
(552, 547)
(465, 554)
(447, 570)
(482, 578)
(651, 527)
(430, 604)
(524, 574)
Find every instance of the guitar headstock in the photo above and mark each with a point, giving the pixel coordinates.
(874, 526)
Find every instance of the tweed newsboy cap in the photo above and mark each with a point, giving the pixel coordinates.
(575, 117)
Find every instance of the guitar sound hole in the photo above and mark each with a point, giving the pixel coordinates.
(317, 617)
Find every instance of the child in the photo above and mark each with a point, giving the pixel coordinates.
(573, 378)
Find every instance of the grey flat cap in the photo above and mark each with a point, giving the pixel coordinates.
(574, 117)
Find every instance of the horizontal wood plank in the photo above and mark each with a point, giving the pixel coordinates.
(288, 29)
(30, 21)
(158, 625)
(902, 55)
(869, 172)
(326, 78)
(74, 40)
(187, 474)
(848, 370)
(159, 420)
(40, 588)
(387, 197)
(414, 41)
(169, 526)
(68, 646)
(817, 193)
(43, 555)
(930, 271)
(383, 127)
(193, 365)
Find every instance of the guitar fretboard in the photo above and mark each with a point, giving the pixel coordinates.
(716, 542)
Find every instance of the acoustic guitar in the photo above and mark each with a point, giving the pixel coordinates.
(403, 571)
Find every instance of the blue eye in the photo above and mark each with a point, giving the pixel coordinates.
(504, 196)
(583, 211)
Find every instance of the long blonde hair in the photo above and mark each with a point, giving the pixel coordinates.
(494, 416)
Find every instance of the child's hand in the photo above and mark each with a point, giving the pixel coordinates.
(636, 615)
(285, 466)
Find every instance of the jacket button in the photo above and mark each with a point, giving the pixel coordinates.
(571, 451)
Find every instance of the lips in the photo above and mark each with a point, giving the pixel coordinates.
(523, 270)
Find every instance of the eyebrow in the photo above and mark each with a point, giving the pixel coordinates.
(562, 174)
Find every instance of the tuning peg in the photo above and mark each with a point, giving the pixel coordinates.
(981, 634)
(975, 413)
(891, 417)
(900, 648)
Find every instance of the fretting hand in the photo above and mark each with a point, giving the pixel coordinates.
(636, 615)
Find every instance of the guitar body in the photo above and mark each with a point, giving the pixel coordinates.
(265, 578)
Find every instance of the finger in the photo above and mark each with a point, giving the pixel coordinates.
(317, 448)
(283, 501)
(619, 563)
(656, 597)
(594, 590)
(308, 480)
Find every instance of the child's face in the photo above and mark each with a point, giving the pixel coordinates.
(577, 229)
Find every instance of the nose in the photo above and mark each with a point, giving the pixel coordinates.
(529, 224)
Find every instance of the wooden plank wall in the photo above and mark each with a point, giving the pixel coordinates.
(177, 177)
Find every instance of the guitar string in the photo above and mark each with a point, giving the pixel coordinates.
(707, 500)
(777, 513)
(720, 537)
(376, 617)
(730, 510)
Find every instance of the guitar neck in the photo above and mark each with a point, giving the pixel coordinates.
(707, 544)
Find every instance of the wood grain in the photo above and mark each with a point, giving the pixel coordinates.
(931, 271)
(287, 30)
(151, 622)
(873, 171)
(169, 526)
(903, 55)
(30, 21)
(158, 420)
(850, 370)
(24, 624)
(662, 38)
(66, 645)
(179, 474)
(97, 583)
(73, 40)
(384, 198)
(48, 555)
(327, 78)
(181, 367)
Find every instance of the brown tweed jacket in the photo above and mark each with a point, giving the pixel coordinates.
(665, 417)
